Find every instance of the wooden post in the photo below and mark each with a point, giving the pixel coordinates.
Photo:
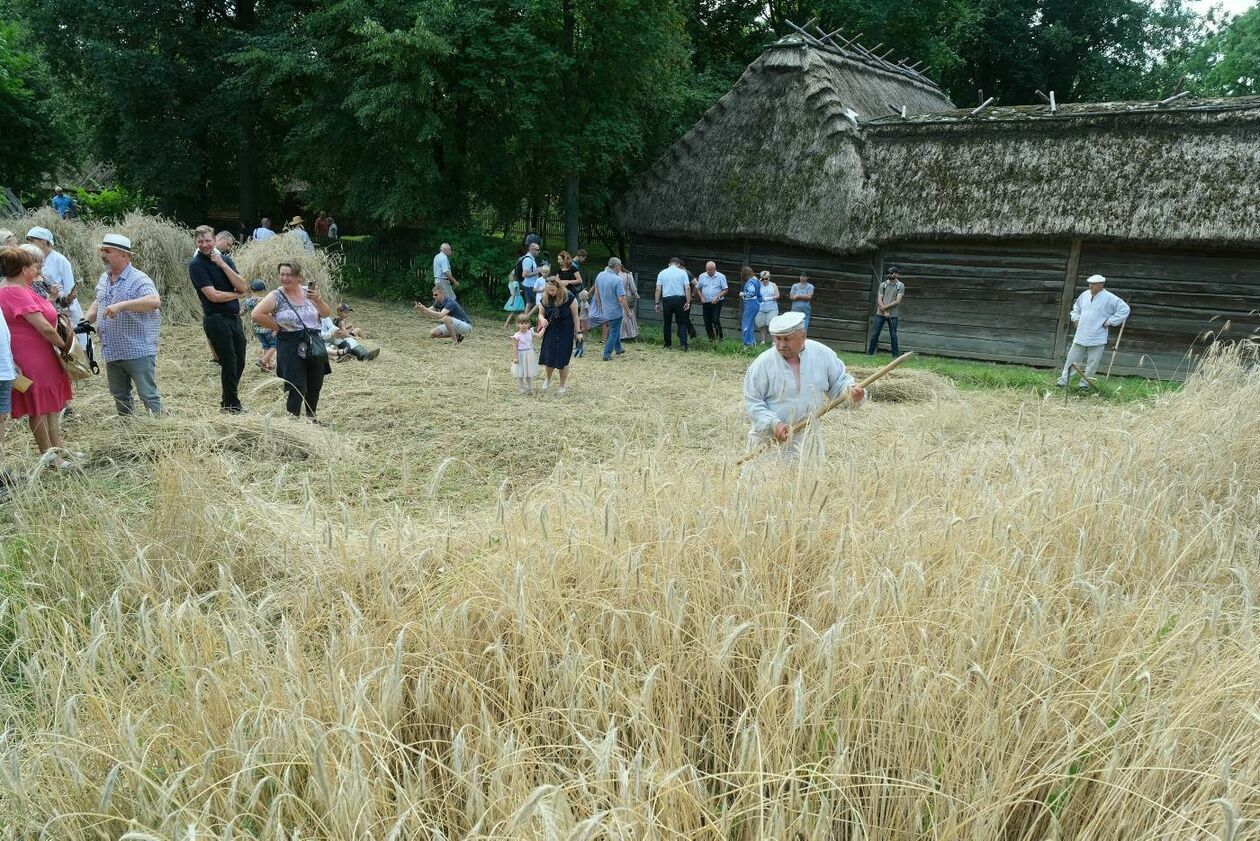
(870, 309)
(1065, 306)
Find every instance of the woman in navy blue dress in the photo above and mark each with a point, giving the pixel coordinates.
(559, 322)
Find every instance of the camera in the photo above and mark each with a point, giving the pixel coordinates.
(84, 327)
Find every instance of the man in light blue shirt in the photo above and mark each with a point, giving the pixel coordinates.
(263, 231)
(673, 299)
(712, 288)
(610, 295)
(442, 271)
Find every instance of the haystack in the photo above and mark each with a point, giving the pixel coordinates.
(257, 259)
(162, 248)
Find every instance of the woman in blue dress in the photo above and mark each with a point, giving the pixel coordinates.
(559, 321)
(751, 296)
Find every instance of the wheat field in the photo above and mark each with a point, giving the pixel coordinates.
(461, 613)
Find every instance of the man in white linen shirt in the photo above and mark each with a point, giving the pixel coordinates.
(1094, 311)
(791, 381)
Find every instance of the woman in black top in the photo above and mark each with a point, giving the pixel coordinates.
(569, 275)
(559, 322)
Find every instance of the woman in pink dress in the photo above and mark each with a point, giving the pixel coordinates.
(32, 327)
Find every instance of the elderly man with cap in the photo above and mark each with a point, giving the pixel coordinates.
(126, 316)
(1094, 311)
(791, 381)
(58, 271)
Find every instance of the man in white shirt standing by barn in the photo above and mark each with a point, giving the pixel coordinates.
(1093, 313)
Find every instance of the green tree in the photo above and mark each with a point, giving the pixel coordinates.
(1082, 49)
(37, 135)
(1227, 62)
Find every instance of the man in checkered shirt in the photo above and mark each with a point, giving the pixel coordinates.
(128, 302)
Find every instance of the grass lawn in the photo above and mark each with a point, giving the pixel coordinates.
(965, 373)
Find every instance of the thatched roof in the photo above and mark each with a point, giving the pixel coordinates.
(777, 153)
(1112, 171)
(776, 159)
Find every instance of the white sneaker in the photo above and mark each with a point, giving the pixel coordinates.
(560, 391)
(546, 384)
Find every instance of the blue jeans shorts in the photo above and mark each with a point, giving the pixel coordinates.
(266, 338)
(6, 397)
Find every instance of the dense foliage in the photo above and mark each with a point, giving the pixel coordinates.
(447, 113)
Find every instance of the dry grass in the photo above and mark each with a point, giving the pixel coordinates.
(468, 614)
(162, 248)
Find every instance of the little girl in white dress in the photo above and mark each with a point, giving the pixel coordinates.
(524, 364)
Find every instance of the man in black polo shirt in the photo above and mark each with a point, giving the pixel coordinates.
(220, 289)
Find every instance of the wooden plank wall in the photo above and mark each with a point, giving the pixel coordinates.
(649, 255)
(842, 284)
(841, 289)
(998, 301)
(1181, 299)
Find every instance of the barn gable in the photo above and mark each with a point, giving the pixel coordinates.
(779, 156)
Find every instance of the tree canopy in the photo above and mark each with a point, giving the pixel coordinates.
(393, 112)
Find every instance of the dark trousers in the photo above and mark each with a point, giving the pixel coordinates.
(303, 376)
(713, 320)
(880, 321)
(671, 308)
(227, 337)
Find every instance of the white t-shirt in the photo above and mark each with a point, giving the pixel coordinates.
(261, 234)
(57, 269)
(7, 370)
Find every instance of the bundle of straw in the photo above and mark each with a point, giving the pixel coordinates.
(162, 248)
(257, 259)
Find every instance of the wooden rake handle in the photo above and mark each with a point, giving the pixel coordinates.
(840, 400)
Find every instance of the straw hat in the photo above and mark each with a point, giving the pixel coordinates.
(296, 220)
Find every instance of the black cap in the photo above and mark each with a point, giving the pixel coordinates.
(892, 270)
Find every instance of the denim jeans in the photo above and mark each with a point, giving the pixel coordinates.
(613, 342)
(880, 321)
(122, 373)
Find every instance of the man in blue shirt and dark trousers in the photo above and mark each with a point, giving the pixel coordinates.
(673, 299)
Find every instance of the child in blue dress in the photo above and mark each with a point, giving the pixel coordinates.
(515, 302)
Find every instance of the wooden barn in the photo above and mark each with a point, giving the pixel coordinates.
(826, 158)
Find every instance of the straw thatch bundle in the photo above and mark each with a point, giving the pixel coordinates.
(257, 259)
(162, 248)
(906, 385)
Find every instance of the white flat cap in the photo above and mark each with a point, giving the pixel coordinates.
(116, 241)
(1096, 278)
(788, 322)
(40, 233)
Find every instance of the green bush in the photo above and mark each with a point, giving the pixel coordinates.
(112, 204)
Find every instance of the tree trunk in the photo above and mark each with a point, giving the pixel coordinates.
(571, 177)
(247, 170)
(571, 211)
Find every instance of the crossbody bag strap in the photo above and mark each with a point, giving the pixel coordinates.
(289, 304)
